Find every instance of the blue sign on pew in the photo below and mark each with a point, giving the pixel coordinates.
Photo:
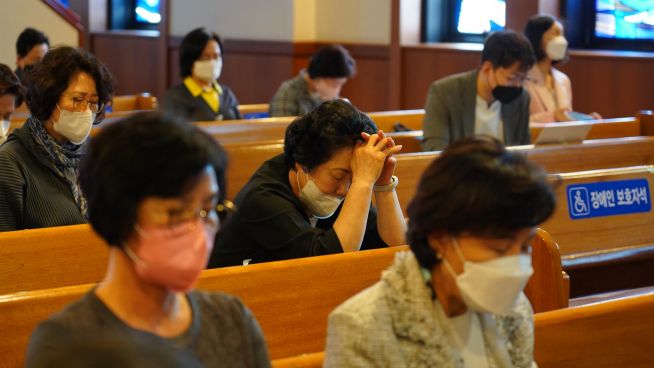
(608, 198)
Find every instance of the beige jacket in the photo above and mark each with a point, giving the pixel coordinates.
(393, 324)
(543, 104)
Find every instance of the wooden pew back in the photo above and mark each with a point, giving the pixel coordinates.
(143, 101)
(583, 235)
(291, 299)
(589, 155)
(616, 333)
(50, 257)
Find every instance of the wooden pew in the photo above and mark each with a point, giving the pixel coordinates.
(589, 155)
(142, 101)
(409, 170)
(253, 111)
(616, 333)
(247, 154)
(275, 127)
(51, 257)
(291, 299)
(617, 249)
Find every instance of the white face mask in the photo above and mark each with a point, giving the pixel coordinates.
(208, 70)
(556, 48)
(492, 286)
(75, 126)
(320, 205)
(4, 129)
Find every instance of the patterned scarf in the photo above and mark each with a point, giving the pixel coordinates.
(63, 158)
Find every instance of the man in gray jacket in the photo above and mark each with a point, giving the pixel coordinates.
(489, 100)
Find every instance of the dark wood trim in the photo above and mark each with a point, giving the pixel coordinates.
(611, 54)
(395, 58)
(289, 48)
(518, 13)
(70, 17)
(126, 33)
(162, 48)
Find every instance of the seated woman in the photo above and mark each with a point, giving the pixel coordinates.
(200, 97)
(153, 185)
(456, 299)
(315, 198)
(11, 96)
(329, 69)
(38, 163)
(549, 89)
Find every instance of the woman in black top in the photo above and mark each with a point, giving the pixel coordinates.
(316, 198)
(153, 185)
(199, 97)
(38, 163)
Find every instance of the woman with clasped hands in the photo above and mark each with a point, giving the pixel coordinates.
(315, 198)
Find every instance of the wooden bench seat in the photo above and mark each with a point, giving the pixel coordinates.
(615, 333)
(291, 299)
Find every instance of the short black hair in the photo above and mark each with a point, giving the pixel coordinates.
(505, 48)
(148, 154)
(332, 61)
(49, 79)
(192, 46)
(29, 38)
(10, 84)
(312, 139)
(534, 30)
(480, 188)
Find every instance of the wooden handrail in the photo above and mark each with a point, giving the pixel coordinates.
(69, 16)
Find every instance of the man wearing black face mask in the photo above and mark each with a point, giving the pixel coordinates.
(489, 100)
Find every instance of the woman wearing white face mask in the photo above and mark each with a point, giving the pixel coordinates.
(38, 163)
(549, 89)
(200, 97)
(153, 186)
(315, 198)
(456, 299)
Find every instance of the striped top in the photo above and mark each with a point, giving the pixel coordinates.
(31, 194)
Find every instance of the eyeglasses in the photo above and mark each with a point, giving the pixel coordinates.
(81, 104)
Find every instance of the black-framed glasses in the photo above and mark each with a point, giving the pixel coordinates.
(81, 104)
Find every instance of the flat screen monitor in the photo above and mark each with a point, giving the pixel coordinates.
(480, 16)
(147, 11)
(624, 19)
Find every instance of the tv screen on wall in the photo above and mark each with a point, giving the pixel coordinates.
(624, 19)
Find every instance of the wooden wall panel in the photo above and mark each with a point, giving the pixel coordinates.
(611, 83)
(132, 59)
(614, 86)
(255, 69)
(422, 65)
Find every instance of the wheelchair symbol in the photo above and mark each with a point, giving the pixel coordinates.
(578, 201)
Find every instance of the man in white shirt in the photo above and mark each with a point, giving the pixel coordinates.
(489, 100)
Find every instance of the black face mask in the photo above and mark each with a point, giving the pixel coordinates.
(506, 94)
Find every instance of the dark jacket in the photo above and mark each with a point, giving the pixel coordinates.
(179, 101)
(271, 224)
(32, 195)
